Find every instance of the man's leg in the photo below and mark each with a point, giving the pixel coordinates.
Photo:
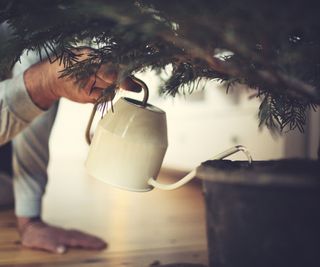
(6, 189)
(30, 161)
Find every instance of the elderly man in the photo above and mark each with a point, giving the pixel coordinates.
(28, 106)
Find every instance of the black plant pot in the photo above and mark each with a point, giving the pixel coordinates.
(266, 215)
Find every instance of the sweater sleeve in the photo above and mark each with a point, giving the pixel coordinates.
(16, 108)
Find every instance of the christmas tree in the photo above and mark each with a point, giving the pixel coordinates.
(271, 46)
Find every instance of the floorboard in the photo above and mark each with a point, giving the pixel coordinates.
(141, 228)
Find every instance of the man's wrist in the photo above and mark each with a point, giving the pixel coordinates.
(39, 85)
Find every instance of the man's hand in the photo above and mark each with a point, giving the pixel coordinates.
(45, 87)
(36, 234)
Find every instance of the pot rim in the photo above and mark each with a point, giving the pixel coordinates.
(256, 175)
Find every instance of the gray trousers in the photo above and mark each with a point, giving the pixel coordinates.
(26, 185)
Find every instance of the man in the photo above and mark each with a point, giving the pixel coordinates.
(28, 106)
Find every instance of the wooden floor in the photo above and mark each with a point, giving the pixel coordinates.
(141, 228)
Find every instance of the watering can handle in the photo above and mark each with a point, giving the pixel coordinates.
(103, 100)
(192, 174)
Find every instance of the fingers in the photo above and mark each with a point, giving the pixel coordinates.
(94, 88)
(47, 245)
(110, 76)
(77, 239)
(95, 94)
(61, 249)
(39, 236)
(129, 85)
(96, 85)
(100, 83)
(108, 73)
(56, 240)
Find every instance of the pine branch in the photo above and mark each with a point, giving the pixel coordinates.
(271, 47)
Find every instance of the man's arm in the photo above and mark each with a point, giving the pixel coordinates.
(17, 109)
(27, 95)
(14, 117)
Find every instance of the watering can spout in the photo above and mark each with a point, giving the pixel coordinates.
(152, 182)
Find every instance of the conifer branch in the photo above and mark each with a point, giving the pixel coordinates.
(268, 46)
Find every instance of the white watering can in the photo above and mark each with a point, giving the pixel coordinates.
(130, 143)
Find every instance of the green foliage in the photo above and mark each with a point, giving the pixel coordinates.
(271, 46)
